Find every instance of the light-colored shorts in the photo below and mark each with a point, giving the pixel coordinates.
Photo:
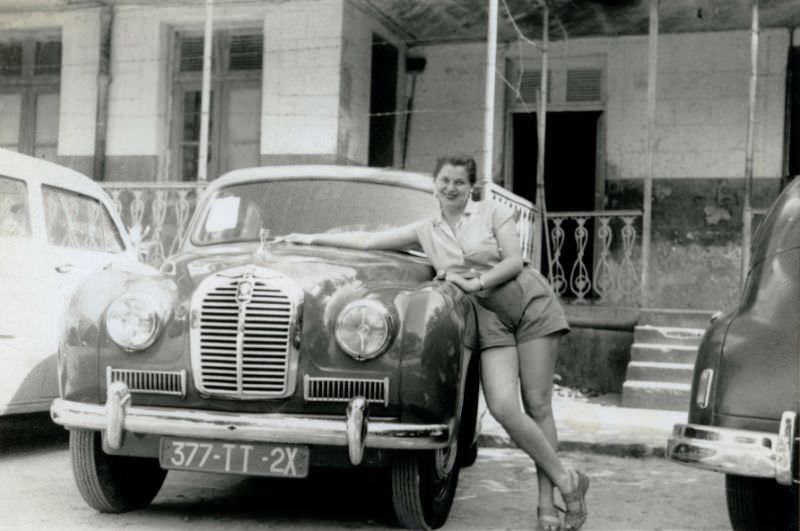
(522, 309)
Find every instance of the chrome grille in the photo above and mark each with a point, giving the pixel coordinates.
(151, 382)
(323, 389)
(243, 348)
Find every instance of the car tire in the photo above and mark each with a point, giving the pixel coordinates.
(760, 503)
(112, 483)
(421, 493)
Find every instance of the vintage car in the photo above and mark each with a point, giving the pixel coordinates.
(746, 386)
(56, 228)
(252, 355)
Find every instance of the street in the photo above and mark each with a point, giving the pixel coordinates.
(499, 492)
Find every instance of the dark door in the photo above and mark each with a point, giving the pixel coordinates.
(569, 178)
(382, 102)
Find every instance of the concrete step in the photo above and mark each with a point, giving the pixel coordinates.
(656, 371)
(656, 395)
(663, 353)
(667, 335)
(675, 317)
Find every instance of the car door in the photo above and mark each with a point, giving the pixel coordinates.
(21, 250)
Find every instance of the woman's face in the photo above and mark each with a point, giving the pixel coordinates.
(452, 186)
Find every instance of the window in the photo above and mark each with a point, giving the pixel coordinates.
(30, 72)
(234, 107)
(79, 222)
(14, 215)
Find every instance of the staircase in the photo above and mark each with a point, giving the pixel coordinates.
(664, 349)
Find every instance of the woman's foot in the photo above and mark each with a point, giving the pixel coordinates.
(548, 519)
(575, 500)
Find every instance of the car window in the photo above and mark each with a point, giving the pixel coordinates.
(238, 212)
(79, 222)
(14, 211)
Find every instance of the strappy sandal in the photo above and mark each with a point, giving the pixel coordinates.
(576, 513)
(548, 519)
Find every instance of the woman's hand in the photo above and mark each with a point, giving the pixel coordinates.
(468, 285)
(299, 238)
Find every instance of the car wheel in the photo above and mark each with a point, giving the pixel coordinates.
(112, 483)
(423, 487)
(760, 503)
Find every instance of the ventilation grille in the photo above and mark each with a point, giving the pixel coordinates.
(584, 85)
(150, 382)
(245, 355)
(191, 54)
(343, 389)
(531, 84)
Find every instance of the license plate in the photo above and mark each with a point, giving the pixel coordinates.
(258, 459)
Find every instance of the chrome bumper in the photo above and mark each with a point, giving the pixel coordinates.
(739, 452)
(354, 430)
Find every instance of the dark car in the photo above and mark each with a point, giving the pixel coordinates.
(745, 390)
(250, 355)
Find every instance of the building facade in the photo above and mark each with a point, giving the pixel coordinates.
(113, 89)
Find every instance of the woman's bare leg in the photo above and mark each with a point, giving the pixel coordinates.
(537, 363)
(500, 371)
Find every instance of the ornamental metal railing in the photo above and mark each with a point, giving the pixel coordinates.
(527, 218)
(595, 256)
(158, 211)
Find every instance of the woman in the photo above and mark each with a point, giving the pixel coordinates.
(475, 246)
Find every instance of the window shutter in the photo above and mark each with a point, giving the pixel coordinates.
(48, 58)
(245, 52)
(584, 85)
(191, 54)
(11, 58)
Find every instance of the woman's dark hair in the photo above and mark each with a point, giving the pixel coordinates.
(467, 162)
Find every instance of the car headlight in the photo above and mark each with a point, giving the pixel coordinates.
(133, 322)
(364, 329)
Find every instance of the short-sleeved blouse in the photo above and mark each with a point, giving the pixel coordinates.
(473, 246)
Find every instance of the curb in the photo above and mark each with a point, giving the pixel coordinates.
(614, 449)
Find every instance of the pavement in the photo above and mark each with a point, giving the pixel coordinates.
(597, 425)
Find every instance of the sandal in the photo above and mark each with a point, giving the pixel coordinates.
(576, 502)
(548, 519)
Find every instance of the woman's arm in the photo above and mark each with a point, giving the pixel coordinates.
(394, 238)
(509, 267)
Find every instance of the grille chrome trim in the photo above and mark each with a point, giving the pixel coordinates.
(244, 322)
(149, 382)
(326, 389)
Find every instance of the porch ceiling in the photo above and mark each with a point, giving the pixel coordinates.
(431, 21)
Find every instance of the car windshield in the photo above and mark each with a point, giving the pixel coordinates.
(239, 212)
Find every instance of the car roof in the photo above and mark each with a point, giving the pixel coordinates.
(39, 171)
(390, 176)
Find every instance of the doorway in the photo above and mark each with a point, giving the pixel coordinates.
(570, 177)
(382, 103)
(793, 144)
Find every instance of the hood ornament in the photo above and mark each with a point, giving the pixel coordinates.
(244, 291)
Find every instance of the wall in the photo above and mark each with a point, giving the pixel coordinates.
(80, 37)
(449, 105)
(699, 160)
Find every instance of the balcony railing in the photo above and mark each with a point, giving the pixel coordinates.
(590, 257)
(526, 215)
(595, 256)
(160, 211)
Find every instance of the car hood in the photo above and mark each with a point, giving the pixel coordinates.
(312, 267)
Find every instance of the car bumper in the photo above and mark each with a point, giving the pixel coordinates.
(738, 452)
(354, 430)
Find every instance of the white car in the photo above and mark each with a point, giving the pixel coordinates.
(57, 227)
